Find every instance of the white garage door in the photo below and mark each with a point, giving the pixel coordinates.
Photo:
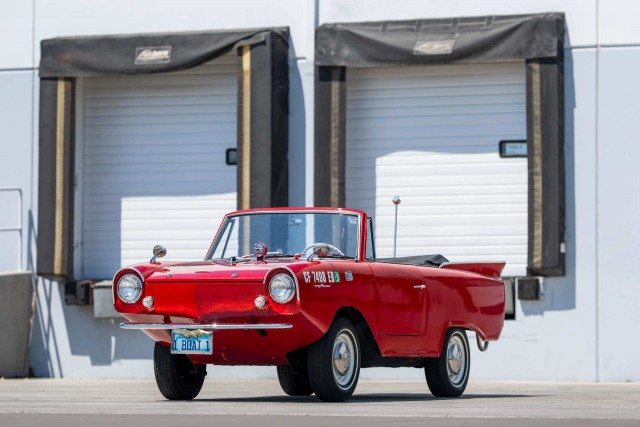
(153, 164)
(431, 136)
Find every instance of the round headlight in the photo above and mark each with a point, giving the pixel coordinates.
(282, 288)
(129, 288)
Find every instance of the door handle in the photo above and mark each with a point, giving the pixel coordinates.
(420, 286)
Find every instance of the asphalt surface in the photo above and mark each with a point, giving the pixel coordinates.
(47, 402)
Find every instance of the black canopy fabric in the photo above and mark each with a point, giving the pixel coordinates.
(429, 41)
(142, 53)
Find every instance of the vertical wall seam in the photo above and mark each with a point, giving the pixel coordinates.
(32, 184)
(335, 137)
(597, 138)
(28, 263)
(59, 217)
(246, 127)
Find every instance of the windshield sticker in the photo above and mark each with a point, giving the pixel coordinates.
(321, 277)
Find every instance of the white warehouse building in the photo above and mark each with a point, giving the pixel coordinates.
(508, 130)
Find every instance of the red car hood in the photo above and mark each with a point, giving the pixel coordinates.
(215, 271)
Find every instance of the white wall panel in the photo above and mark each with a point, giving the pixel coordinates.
(16, 145)
(78, 17)
(300, 128)
(11, 228)
(618, 213)
(16, 35)
(154, 164)
(430, 135)
(580, 14)
(618, 22)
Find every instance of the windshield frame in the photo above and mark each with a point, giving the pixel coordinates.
(335, 211)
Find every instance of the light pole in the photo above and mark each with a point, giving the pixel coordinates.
(396, 201)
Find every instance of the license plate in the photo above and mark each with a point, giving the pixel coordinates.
(185, 341)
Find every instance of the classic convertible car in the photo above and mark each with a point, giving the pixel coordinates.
(302, 289)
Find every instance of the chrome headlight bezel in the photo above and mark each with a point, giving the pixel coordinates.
(129, 281)
(282, 288)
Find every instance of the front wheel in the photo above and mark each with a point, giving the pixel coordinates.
(447, 375)
(334, 362)
(177, 377)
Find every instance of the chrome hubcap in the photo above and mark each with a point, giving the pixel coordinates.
(344, 359)
(456, 360)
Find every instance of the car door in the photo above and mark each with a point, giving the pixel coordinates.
(401, 298)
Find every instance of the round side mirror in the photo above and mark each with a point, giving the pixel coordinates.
(158, 252)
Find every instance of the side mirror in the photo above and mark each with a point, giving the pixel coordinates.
(158, 252)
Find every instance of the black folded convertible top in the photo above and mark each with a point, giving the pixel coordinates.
(419, 260)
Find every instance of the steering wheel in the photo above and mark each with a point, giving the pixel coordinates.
(332, 248)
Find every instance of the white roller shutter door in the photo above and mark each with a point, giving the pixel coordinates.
(431, 135)
(153, 164)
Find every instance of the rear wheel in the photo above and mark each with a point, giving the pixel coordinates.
(177, 377)
(447, 376)
(334, 362)
(294, 379)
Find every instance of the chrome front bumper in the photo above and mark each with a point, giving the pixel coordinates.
(207, 327)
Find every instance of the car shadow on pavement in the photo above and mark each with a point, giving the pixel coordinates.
(364, 398)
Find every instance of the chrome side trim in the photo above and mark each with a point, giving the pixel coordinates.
(207, 327)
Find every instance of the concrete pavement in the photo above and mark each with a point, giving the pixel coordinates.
(49, 402)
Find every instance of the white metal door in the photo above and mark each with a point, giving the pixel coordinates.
(431, 136)
(153, 164)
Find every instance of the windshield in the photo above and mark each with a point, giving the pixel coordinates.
(287, 234)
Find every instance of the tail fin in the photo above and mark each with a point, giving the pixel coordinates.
(489, 269)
